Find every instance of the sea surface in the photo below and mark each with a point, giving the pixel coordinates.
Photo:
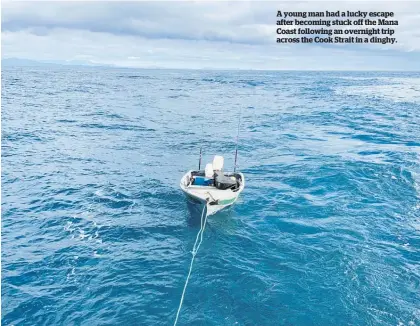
(96, 231)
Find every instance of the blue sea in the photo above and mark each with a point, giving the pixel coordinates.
(96, 231)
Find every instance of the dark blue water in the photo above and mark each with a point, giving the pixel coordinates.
(95, 230)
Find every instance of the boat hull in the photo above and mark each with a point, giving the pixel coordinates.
(211, 209)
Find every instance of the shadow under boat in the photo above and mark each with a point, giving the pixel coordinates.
(195, 208)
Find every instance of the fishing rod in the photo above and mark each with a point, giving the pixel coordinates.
(237, 138)
(199, 161)
(201, 146)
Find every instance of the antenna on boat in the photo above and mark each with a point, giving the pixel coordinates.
(199, 161)
(237, 138)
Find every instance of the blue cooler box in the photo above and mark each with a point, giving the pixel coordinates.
(201, 181)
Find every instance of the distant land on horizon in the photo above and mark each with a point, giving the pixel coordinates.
(19, 62)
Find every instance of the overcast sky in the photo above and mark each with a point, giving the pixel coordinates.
(221, 35)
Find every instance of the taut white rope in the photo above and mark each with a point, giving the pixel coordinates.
(197, 245)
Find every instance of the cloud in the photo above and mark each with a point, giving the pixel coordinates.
(216, 21)
(221, 35)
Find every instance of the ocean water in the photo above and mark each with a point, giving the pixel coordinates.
(95, 230)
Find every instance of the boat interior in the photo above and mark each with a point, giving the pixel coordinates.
(213, 176)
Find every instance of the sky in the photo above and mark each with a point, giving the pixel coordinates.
(197, 35)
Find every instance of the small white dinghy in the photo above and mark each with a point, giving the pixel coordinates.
(213, 187)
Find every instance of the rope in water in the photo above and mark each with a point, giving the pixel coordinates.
(197, 245)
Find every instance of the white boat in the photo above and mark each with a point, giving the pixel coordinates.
(213, 187)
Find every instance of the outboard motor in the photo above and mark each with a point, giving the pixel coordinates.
(223, 182)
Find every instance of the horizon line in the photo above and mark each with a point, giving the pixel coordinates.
(113, 66)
